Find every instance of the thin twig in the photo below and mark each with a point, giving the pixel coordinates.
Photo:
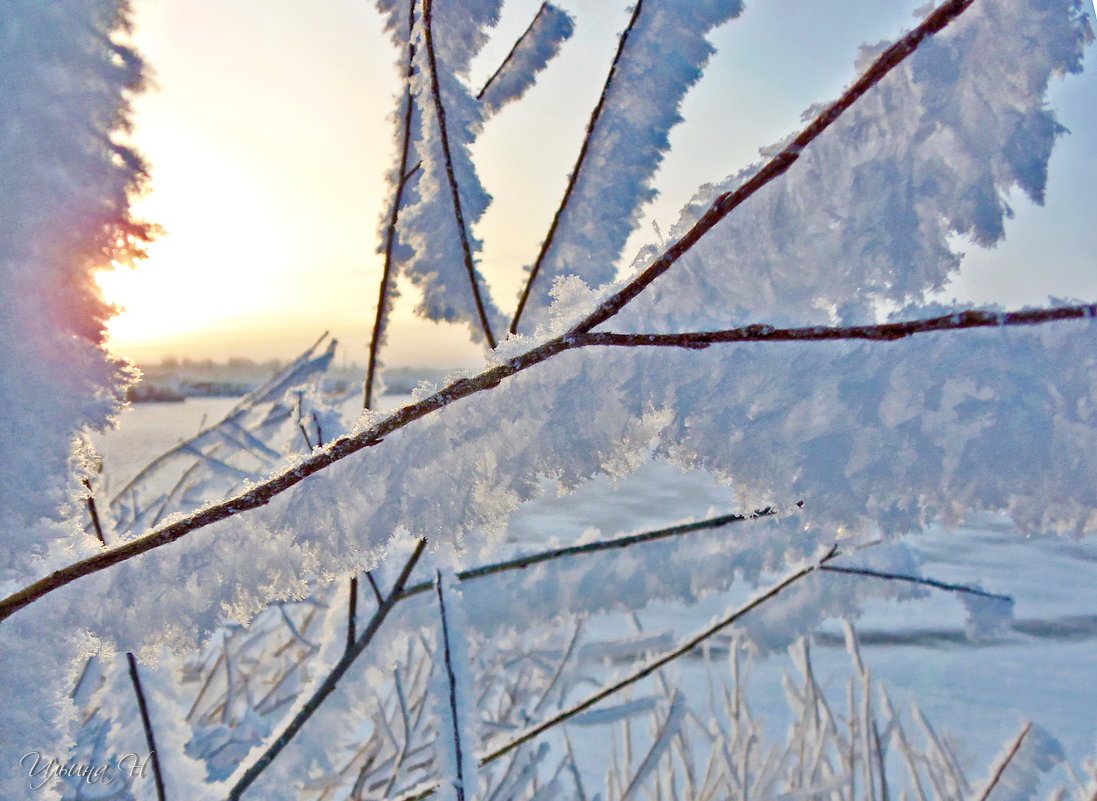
(513, 50)
(451, 177)
(941, 585)
(1001, 768)
(662, 660)
(451, 680)
(330, 681)
(146, 722)
(342, 447)
(394, 214)
(373, 586)
(93, 512)
(641, 673)
(522, 562)
(885, 332)
(779, 164)
(352, 613)
(573, 178)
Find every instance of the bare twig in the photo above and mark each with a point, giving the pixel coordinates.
(662, 660)
(451, 681)
(451, 177)
(646, 670)
(352, 613)
(1001, 767)
(373, 586)
(93, 512)
(330, 681)
(146, 722)
(928, 582)
(886, 332)
(573, 178)
(522, 562)
(378, 334)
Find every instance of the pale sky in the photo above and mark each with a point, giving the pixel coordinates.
(268, 136)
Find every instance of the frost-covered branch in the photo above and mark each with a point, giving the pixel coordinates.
(451, 177)
(342, 447)
(403, 175)
(577, 170)
(530, 54)
(724, 204)
(330, 681)
(886, 332)
(146, 723)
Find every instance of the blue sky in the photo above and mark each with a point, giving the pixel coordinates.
(268, 136)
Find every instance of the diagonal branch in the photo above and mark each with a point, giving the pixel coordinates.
(146, 723)
(404, 175)
(330, 681)
(779, 164)
(451, 177)
(1001, 767)
(344, 446)
(662, 660)
(576, 171)
(642, 672)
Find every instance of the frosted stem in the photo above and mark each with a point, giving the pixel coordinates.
(451, 177)
(451, 683)
(573, 178)
(146, 723)
(379, 320)
(779, 164)
(330, 681)
(1000, 768)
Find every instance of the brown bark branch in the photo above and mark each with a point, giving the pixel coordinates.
(779, 164)
(146, 723)
(573, 178)
(394, 215)
(451, 177)
(451, 682)
(885, 332)
(330, 681)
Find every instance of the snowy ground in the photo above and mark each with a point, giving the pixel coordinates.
(1042, 669)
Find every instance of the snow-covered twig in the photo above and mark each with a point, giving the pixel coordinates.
(330, 681)
(403, 175)
(573, 177)
(146, 723)
(451, 177)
